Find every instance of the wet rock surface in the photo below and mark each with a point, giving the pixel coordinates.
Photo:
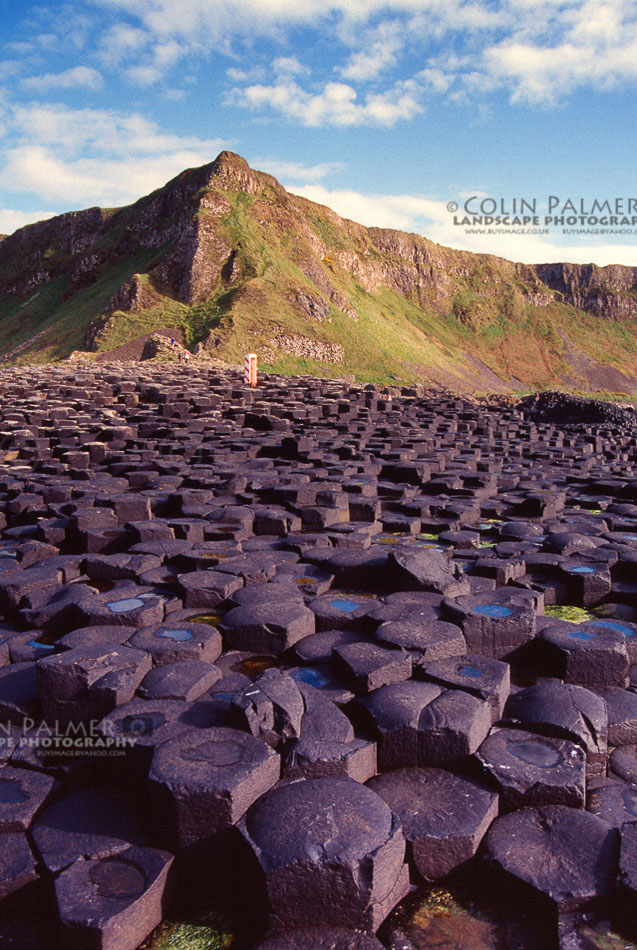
(567, 855)
(443, 816)
(529, 769)
(115, 901)
(298, 627)
(331, 851)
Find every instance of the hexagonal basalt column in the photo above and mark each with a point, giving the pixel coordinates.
(613, 800)
(534, 770)
(626, 894)
(495, 623)
(179, 640)
(185, 680)
(622, 715)
(22, 794)
(207, 589)
(443, 816)
(482, 677)
(426, 639)
(427, 571)
(339, 611)
(131, 606)
(271, 708)
(331, 852)
(88, 683)
(18, 692)
(367, 666)
(565, 711)
(628, 630)
(17, 863)
(567, 855)
(113, 903)
(138, 728)
(587, 584)
(317, 758)
(583, 654)
(202, 782)
(421, 724)
(90, 823)
(623, 762)
(272, 627)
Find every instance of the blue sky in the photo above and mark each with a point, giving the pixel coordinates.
(386, 111)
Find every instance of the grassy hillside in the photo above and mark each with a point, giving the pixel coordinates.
(313, 293)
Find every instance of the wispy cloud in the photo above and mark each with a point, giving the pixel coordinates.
(93, 155)
(121, 42)
(101, 130)
(294, 171)
(79, 77)
(336, 103)
(289, 66)
(376, 50)
(10, 220)
(536, 50)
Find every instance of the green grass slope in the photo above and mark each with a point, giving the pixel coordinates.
(313, 293)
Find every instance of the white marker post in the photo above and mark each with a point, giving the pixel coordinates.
(250, 369)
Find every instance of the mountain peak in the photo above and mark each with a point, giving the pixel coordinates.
(226, 256)
(237, 175)
(231, 159)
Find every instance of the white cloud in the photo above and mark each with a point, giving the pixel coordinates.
(435, 79)
(367, 64)
(293, 171)
(429, 217)
(79, 77)
(143, 75)
(537, 50)
(582, 43)
(196, 19)
(102, 181)
(336, 104)
(254, 74)
(379, 51)
(9, 68)
(120, 42)
(544, 74)
(19, 47)
(10, 220)
(404, 212)
(101, 130)
(289, 65)
(94, 156)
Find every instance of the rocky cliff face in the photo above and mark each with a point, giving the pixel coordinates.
(226, 247)
(604, 291)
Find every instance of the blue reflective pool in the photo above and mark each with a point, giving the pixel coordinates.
(312, 677)
(345, 605)
(468, 670)
(492, 610)
(123, 606)
(614, 625)
(179, 635)
(43, 647)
